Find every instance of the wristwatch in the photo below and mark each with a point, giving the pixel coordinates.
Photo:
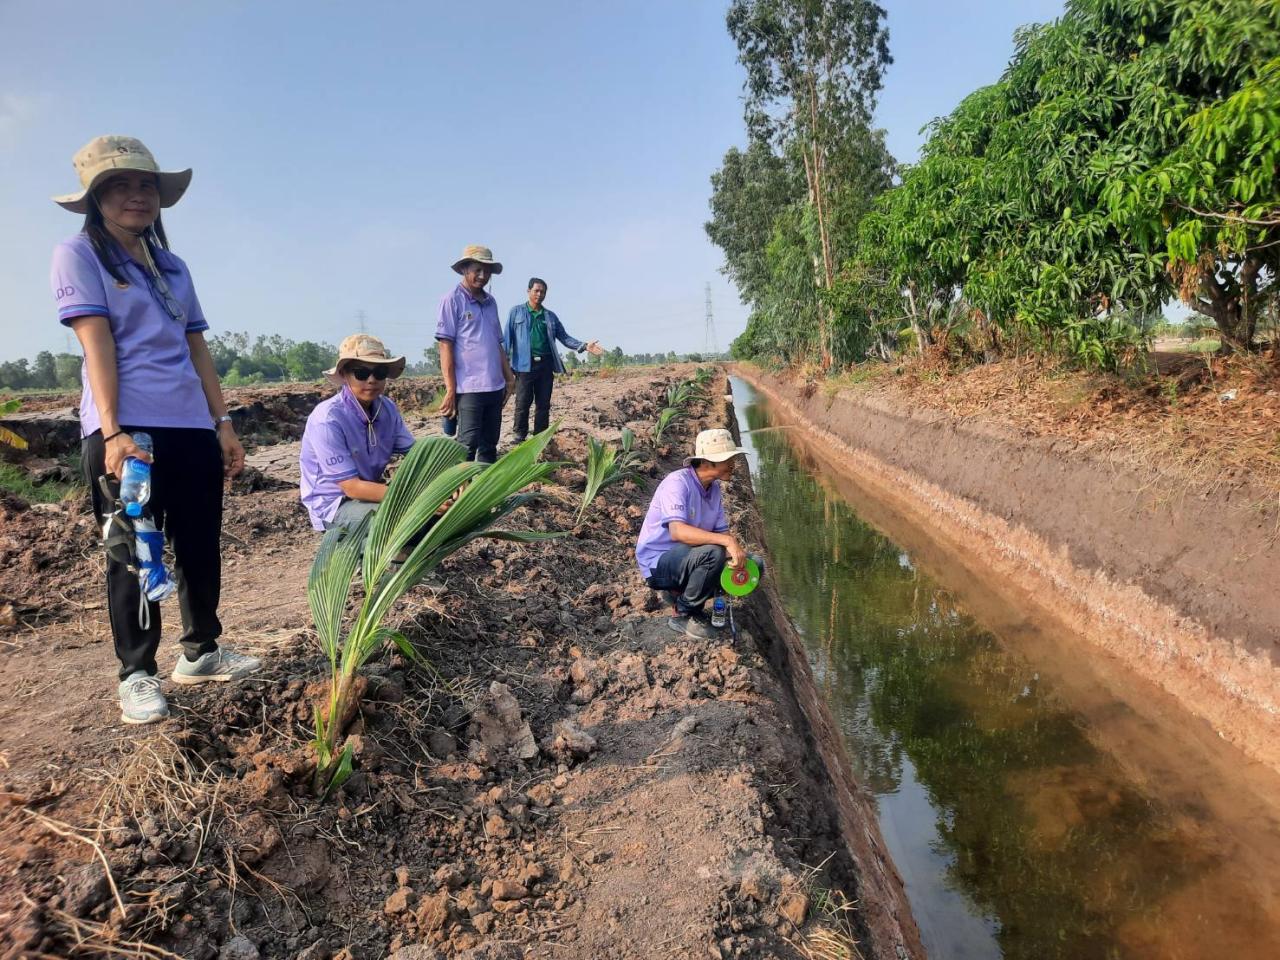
(219, 421)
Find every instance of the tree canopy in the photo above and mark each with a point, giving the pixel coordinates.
(1127, 156)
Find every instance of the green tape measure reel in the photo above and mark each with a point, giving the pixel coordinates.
(740, 582)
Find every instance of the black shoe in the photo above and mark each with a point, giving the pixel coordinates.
(679, 623)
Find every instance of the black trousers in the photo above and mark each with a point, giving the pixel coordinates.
(692, 572)
(186, 503)
(479, 424)
(533, 387)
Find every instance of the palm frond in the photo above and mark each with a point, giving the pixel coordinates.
(666, 418)
(329, 583)
(600, 463)
(426, 461)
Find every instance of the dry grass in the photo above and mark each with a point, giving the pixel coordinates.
(832, 934)
(1190, 423)
(161, 781)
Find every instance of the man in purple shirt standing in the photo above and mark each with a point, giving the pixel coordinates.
(685, 542)
(477, 374)
(351, 437)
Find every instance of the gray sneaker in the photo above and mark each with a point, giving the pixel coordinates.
(699, 627)
(141, 700)
(217, 665)
(678, 623)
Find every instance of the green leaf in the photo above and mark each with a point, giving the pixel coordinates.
(342, 773)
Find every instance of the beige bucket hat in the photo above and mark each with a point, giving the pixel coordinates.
(103, 156)
(365, 349)
(480, 255)
(714, 445)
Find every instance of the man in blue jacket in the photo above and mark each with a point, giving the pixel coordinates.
(530, 340)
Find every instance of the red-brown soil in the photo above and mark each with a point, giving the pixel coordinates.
(569, 779)
(1146, 519)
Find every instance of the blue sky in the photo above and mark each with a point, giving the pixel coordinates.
(345, 153)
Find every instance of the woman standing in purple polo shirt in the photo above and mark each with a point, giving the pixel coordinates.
(147, 369)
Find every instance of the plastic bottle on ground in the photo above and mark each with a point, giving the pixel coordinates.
(135, 482)
(719, 610)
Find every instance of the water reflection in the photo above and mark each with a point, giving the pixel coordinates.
(1017, 835)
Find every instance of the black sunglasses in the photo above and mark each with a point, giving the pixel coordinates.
(364, 373)
(161, 290)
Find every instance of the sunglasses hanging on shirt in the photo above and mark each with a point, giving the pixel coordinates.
(155, 279)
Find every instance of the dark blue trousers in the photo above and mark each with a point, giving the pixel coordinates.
(692, 572)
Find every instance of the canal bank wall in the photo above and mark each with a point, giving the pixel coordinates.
(1180, 589)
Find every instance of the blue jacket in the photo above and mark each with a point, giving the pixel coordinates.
(517, 338)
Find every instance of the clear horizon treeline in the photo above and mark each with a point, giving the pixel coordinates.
(244, 360)
(1126, 158)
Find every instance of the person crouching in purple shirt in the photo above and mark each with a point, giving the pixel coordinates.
(477, 373)
(685, 542)
(351, 437)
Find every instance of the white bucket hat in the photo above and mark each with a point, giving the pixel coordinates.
(477, 254)
(363, 348)
(103, 156)
(714, 445)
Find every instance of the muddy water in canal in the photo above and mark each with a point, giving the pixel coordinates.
(1037, 801)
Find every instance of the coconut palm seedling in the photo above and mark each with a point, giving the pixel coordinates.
(666, 418)
(606, 466)
(411, 525)
(682, 394)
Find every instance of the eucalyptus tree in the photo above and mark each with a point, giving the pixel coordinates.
(813, 70)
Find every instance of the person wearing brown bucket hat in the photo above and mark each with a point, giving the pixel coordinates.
(132, 305)
(350, 438)
(477, 373)
(684, 542)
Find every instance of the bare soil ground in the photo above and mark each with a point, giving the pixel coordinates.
(569, 779)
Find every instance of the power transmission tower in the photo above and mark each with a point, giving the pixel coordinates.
(360, 318)
(713, 344)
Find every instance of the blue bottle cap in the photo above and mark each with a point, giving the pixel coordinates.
(133, 509)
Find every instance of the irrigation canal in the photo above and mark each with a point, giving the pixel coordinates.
(1037, 801)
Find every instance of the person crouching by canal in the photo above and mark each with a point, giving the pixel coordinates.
(477, 374)
(532, 332)
(685, 542)
(351, 437)
(132, 305)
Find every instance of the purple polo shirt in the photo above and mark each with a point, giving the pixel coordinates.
(473, 327)
(158, 383)
(342, 442)
(680, 496)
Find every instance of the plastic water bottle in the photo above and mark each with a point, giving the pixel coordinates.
(135, 484)
(449, 425)
(153, 576)
(719, 611)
